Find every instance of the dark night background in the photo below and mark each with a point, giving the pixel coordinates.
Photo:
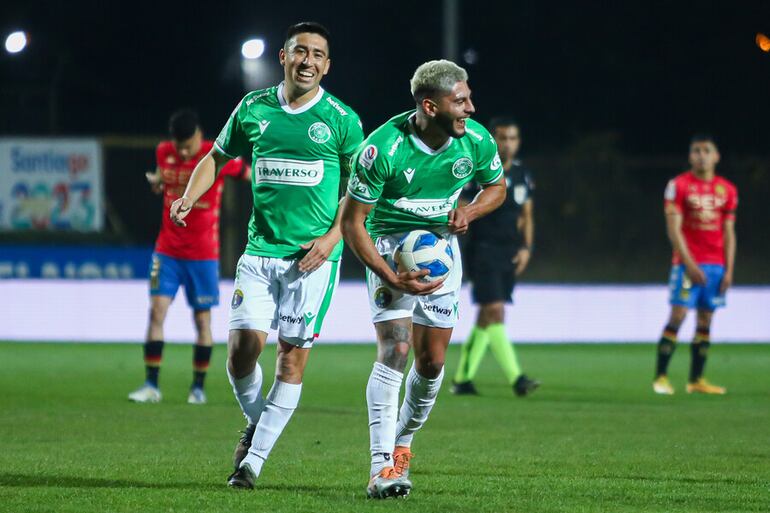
(608, 94)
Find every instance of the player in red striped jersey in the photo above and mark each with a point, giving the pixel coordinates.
(700, 217)
(184, 256)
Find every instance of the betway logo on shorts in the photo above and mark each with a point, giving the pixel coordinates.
(290, 319)
(437, 310)
(428, 207)
(289, 172)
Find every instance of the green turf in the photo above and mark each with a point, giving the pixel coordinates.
(593, 438)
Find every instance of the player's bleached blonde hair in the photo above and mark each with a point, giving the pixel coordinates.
(436, 78)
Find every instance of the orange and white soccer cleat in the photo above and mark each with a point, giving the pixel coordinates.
(704, 387)
(401, 457)
(388, 484)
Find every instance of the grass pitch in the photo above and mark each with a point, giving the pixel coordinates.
(593, 438)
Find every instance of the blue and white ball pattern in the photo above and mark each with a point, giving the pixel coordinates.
(421, 249)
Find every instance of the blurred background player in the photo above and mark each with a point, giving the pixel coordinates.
(408, 175)
(700, 220)
(301, 139)
(184, 257)
(497, 250)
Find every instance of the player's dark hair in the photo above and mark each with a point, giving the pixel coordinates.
(304, 27)
(183, 124)
(494, 123)
(697, 138)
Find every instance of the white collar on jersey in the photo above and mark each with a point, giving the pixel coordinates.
(309, 105)
(421, 145)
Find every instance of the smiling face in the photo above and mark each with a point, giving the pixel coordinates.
(305, 60)
(450, 111)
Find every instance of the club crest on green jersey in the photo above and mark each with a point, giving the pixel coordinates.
(462, 167)
(319, 132)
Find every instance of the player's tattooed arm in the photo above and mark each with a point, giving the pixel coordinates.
(394, 339)
(354, 232)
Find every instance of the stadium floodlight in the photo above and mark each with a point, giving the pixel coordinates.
(253, 48)
(763, 42)
(16, 41)
(471, 56)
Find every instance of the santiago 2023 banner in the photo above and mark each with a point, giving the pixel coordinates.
(50, 184)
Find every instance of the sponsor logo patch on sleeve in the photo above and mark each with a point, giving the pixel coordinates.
(496, 163)
(367, 157)
(358, 186)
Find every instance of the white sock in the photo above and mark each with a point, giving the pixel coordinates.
(419, 399)
(248, 393)
(382, 401)
(279, 406)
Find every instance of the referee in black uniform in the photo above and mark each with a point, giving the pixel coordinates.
(498, 249)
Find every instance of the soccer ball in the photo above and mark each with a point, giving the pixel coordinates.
(421, 249)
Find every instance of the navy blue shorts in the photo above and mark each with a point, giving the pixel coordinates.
(199, 277)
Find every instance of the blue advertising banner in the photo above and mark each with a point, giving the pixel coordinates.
(74, 262)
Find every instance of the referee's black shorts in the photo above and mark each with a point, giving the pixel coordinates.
(491, 271)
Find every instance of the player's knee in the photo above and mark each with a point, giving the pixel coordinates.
(491, 313)
(395, 355)
(429, 366)
(290, 366)
(243, 348)
(289, 371)
(158, 313)
(202, 320)
(703, 320)
(677, 317)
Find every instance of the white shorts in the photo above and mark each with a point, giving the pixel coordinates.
(271, 293)
(437, 310)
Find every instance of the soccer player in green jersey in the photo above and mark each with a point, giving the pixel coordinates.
(301, 140)
(408, 175)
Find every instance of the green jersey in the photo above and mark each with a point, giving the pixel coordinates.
(413, 186)
(299, 157)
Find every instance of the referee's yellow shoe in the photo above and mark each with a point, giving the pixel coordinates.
(704, 387)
